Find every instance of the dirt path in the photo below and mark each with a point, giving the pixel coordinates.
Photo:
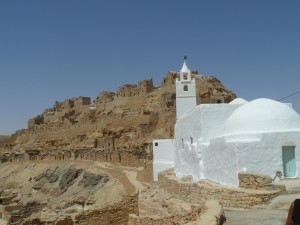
(132, 177)
(271, 213)
(127, 176)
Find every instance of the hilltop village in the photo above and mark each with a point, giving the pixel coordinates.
(132, 157)
(115, 125)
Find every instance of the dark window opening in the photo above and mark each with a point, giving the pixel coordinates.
(156, 144)
(173, 96)
(185, 76)
(185, 88)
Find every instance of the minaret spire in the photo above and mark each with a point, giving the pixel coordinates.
(185, 70)
(185, 90)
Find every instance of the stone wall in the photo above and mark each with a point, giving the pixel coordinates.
(258, 181)
(65, 221)
(146, 86)
(105, 97)
(82, 101)
(124, 158)
(117, 213)
(176, 219)
(129, 90)
(211, 214)
(205, 190)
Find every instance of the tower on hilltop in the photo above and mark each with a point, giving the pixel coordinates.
(185, 91)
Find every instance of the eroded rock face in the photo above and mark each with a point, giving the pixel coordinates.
(125, 120)
(68, 178)
(30, 196)
(50, 175)
(91, 179)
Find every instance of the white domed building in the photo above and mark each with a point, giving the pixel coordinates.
(217, 141)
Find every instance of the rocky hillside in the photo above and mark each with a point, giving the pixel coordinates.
(123, 121)
(57, 192)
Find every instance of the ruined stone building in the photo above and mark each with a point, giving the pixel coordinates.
(114, 124)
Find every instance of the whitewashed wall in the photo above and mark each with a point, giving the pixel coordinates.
(163, 155)
(200, 124)
(219, 163)
(185, 100)
(266, 155)
(213, 117)
(186, 154)
(260, 152)
(217, 141)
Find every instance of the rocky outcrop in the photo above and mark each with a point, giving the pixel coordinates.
(53, 192)
(123, 121)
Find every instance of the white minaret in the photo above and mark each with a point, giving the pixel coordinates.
(185, 91)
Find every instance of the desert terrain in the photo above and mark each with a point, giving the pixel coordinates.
(90, 162)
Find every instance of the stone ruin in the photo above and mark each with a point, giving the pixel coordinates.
(114, 127)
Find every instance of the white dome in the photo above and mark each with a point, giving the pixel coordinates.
(238, 101)
(262, 115)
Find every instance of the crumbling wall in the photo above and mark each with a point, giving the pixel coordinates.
(205, 190)
(82, 101)
(211, 213)
(176, 219)
(127, 90)
(117, 213)
(257, 181)
(105, 97)
(145, 86)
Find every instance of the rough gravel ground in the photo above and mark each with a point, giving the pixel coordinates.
(271, 213)
(259, 217)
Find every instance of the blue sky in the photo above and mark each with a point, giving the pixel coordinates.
(56, 49)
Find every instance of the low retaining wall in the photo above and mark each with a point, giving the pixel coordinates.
(177, 219)
(206, 190)
(117, 213)
(258, 181)
(211, 214)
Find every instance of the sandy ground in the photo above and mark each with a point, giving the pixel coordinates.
(132, 178)
(2, 222)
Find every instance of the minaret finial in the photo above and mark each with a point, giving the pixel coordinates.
(185, 57)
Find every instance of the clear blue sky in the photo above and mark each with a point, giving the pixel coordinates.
(56, 49)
